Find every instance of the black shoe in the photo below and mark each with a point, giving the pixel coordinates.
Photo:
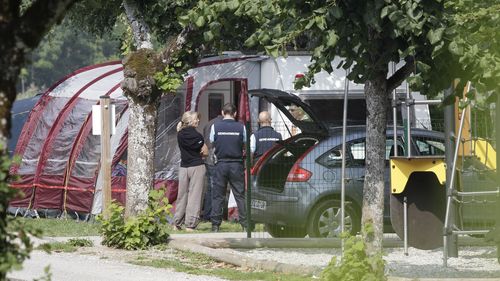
(215, 228)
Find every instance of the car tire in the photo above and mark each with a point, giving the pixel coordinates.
(279, 231)
(324, 220)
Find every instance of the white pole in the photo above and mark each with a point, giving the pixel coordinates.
(342, 187)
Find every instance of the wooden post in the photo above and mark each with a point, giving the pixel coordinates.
(105, 153)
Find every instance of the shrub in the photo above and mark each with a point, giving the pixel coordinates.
(147, 229)
(79, 242)
(355, 264)
(15, 244)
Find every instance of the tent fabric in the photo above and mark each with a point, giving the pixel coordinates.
(60, 158)
(19, 113)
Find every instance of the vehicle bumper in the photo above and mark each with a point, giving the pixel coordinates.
(286, 208)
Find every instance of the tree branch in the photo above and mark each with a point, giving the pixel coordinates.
(401, 74)
(39, 19)
(174, 46)
(140, 29)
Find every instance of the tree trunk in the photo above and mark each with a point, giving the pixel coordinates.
(140, 30)
(373, 193)
(19, 34)
(143, 94)
(141, 91)
(8, 77)
(141, 152)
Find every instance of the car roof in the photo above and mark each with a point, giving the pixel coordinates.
(359, 131)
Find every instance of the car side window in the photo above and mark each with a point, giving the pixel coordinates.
(357, 153)
(389, 148)
(429, 147)
(332, 158)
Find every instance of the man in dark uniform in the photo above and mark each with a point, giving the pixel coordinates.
(228, 137)
(264, 138)
(210, 167)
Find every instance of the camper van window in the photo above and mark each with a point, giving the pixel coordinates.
(215, 103)
(331, 111)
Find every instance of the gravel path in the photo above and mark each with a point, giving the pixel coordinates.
(99, 263)
(102, 263)
(473, 262)
(75, 267)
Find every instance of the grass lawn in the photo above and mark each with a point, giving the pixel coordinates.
(70, 246)
(62, 227)
(199, 264)
(225, 227)
(73, 228)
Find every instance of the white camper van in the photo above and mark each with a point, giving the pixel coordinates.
(228, 78)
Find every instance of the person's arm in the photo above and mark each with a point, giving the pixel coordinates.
(252, 143)
(212, 134)
(204, 150)
(244, 134)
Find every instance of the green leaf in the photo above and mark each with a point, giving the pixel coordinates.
(331, 38)
(200, 21)
(184, 20)
(233, 5)
(455, 49)
(208, 36)
(415, 81)
(320, 22)
(318, 51)
(337, 12)
(223, 7)
(272, 50)
(423, 67)
(310, 23)
(251, 41)
(384, 12)
(435, 36)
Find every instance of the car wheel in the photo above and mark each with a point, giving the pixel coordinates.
(279, 231)
(325, 219)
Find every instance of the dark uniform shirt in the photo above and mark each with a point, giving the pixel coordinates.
(190, 144)
(228, 139)
(265, 138)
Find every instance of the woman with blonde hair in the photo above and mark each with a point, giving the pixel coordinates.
(191, 172)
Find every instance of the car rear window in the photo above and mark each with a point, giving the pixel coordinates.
(428, 146)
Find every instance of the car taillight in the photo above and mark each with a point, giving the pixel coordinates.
(298, 174)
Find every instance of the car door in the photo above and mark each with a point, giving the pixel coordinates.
(357, 150)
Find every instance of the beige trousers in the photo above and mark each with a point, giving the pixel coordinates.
(189, 196)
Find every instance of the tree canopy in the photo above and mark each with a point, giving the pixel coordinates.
(475, 41)
(433, 39)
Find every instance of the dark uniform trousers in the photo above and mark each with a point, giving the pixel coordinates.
(231, 172)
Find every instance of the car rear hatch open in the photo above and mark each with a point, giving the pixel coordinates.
(299, 113)
(273, 168)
